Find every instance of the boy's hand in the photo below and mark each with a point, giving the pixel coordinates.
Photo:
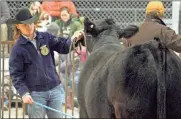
(27, 99)
(78, 35)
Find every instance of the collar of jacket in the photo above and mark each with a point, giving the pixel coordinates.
(28, 37)
(24, 40)
(155, 19)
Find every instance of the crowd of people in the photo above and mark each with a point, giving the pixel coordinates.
(48, 29)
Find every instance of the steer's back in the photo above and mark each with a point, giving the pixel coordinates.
(133, 83)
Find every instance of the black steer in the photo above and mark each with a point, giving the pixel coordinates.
(142, 81)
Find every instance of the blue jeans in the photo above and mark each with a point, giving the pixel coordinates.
(52, 98)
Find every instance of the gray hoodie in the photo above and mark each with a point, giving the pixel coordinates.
(4, 12)
(53, 28)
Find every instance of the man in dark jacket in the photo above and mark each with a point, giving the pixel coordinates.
(31, 66)
(153, 26)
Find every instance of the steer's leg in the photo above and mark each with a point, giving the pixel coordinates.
(118, 110)
(83, 112)
(97, 102)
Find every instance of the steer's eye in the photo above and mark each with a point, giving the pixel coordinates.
(92, 26)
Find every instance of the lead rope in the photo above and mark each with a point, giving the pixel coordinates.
(50, 108)
(72, 45)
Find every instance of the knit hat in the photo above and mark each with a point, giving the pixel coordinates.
(155, 6)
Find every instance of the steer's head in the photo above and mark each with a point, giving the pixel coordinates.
(101, 29)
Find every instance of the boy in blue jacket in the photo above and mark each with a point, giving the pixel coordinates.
(31, 66)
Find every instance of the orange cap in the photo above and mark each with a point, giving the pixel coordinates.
(156, 6)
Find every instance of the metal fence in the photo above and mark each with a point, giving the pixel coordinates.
(123, 12)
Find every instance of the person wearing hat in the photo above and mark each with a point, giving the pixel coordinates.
(154, 27)
(31, 65)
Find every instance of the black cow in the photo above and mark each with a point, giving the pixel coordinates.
(143, 81)
(104, 45)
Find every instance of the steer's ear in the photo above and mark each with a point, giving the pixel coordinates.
(129, 31)
(110, 21)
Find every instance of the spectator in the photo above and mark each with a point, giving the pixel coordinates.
(31, 67)
(82, 54)
(35, 7)
(153, 26)
(53, 28)
(44, 17)
(67, 23)
(5, 15)
(53, 7)
(68, 26)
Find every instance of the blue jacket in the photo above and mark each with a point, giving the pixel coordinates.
(32, 71)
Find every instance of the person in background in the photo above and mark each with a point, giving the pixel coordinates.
(31, 65)
(44, 18)
(68, 23)
(35, 7)
(5, 15)
(81, 52)
(53, 28)
(154, 27)
(53, 7)
(6, 29)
